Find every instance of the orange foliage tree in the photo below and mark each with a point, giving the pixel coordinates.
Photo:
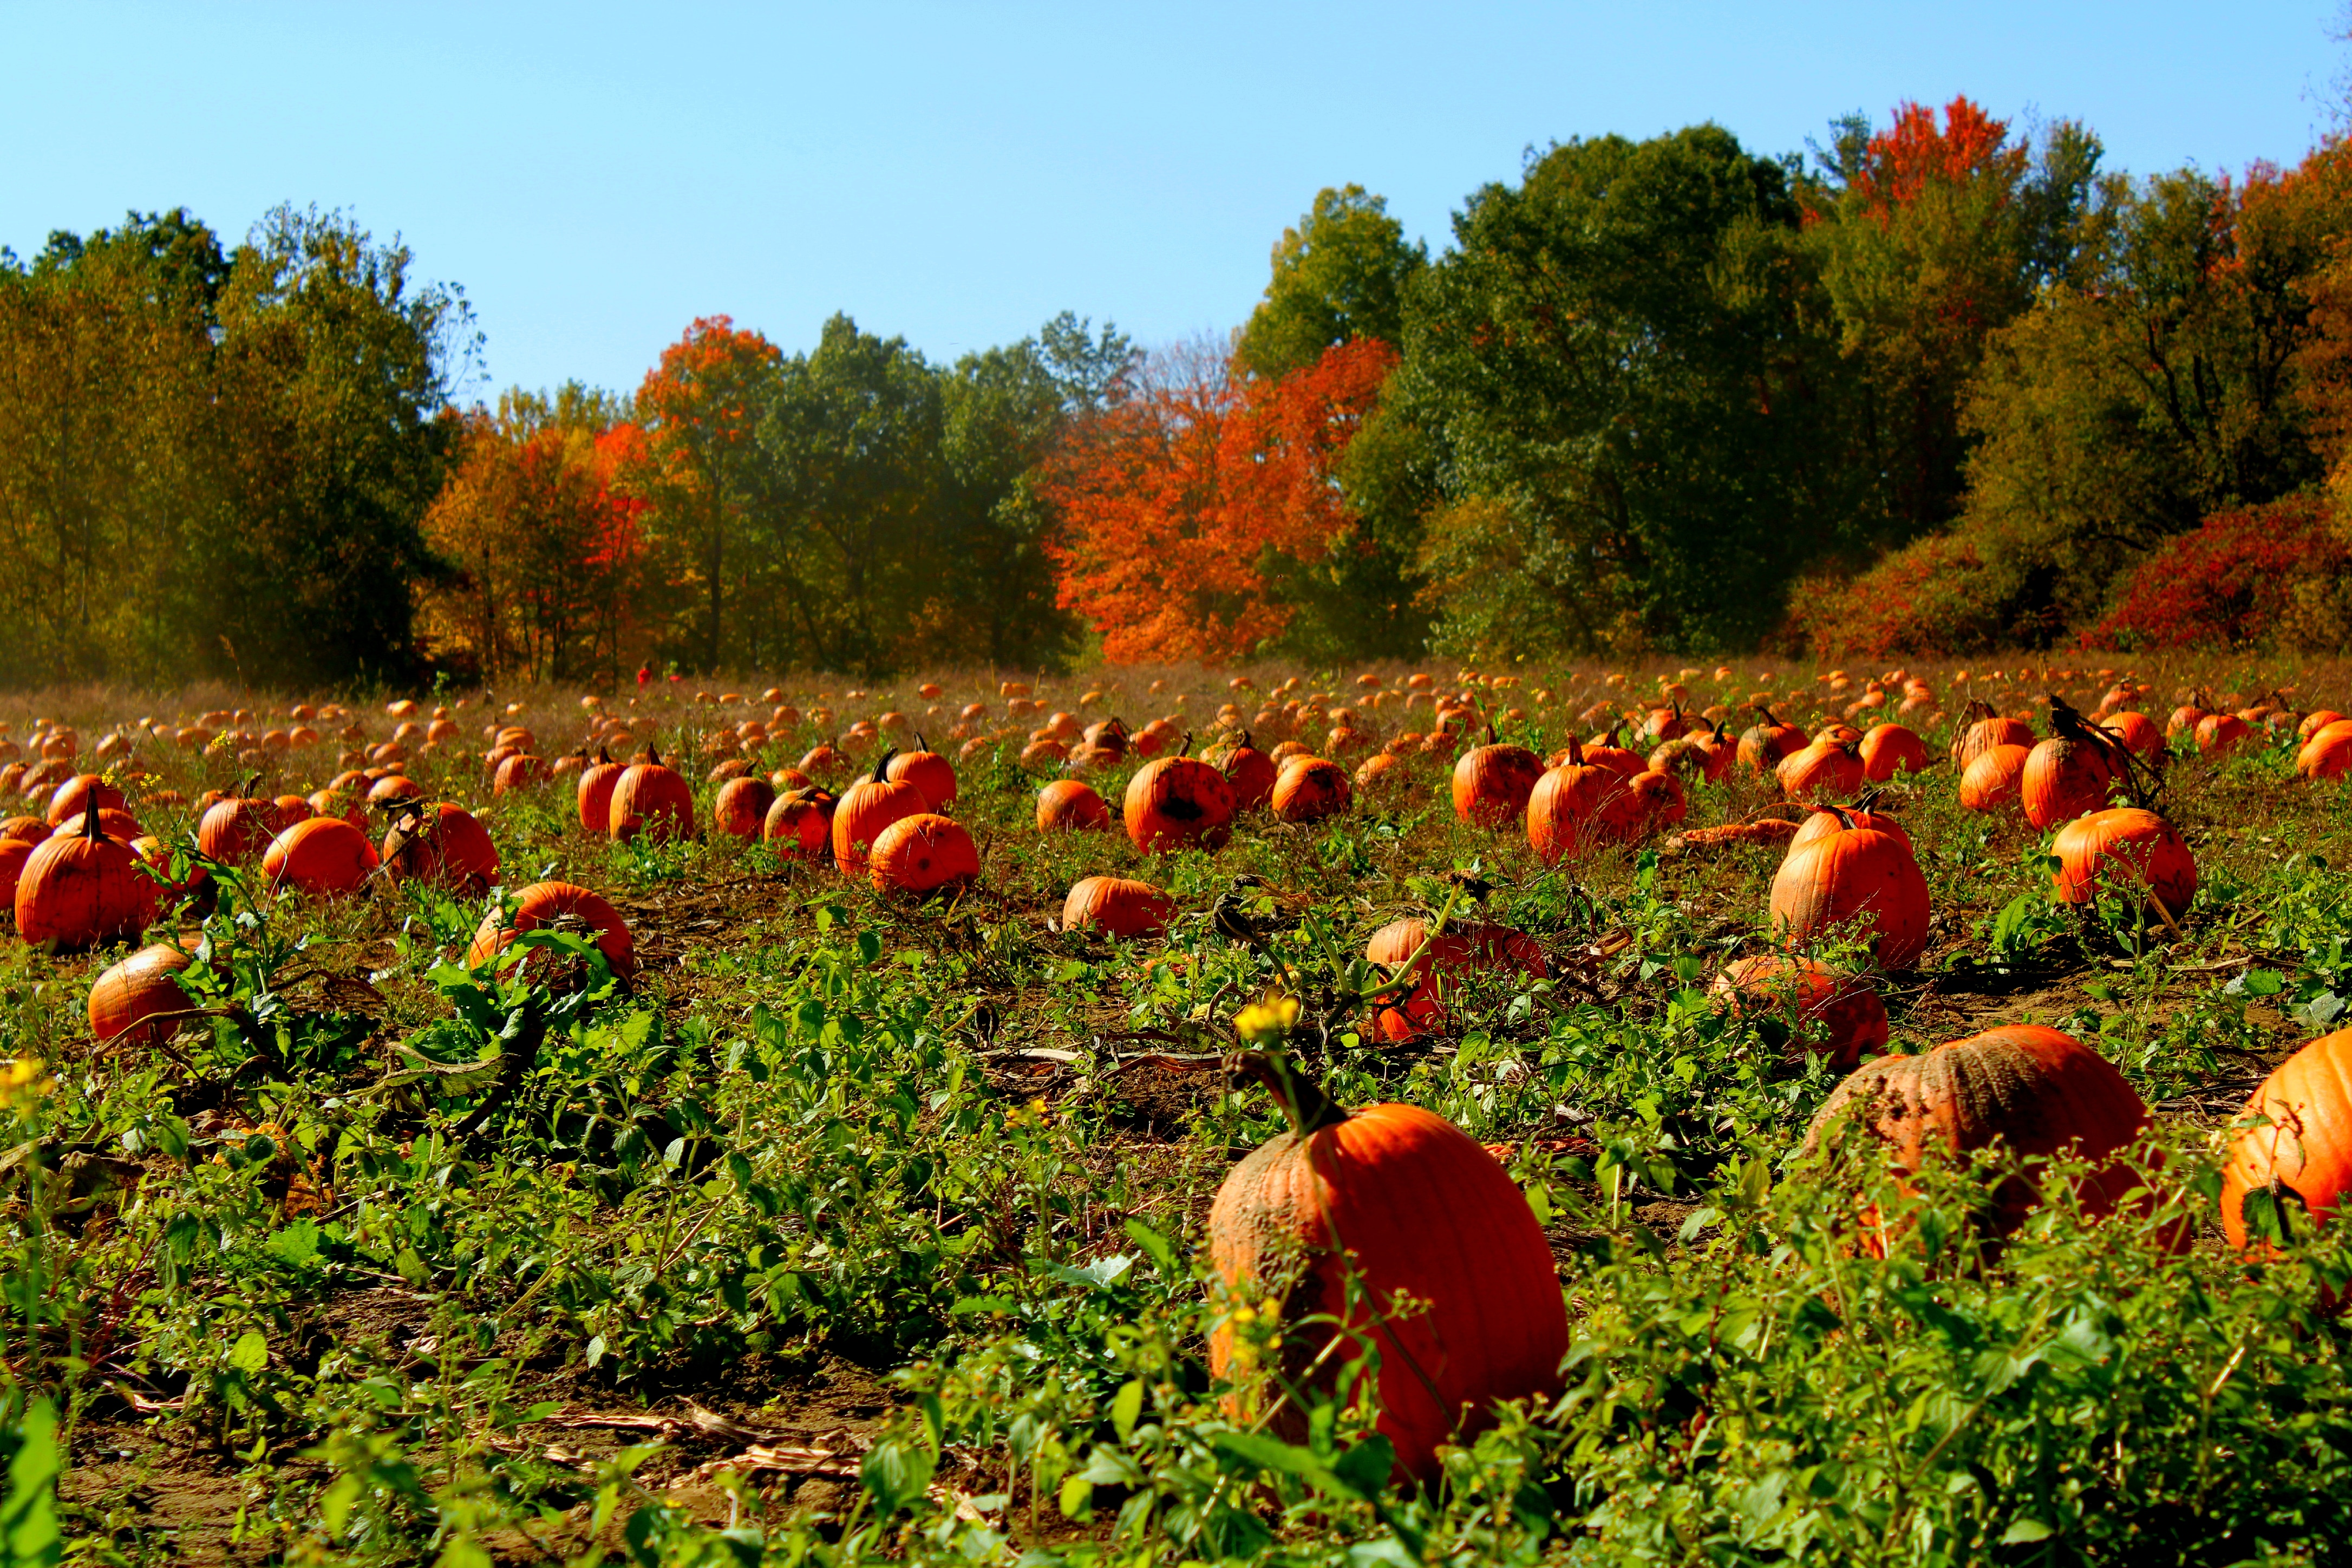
(1175, 498)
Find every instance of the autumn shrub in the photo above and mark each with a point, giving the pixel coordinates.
(2264, 574)
(1937, 597)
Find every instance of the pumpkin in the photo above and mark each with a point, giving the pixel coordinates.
(14, 853)
(1309, 789)
(1071, 805)
(2137, 732)
(80, 892)
(441, 843)
(2327, 754)
(237, 829)
(650, 797)
(139, 1000)
(319, 855)
(922, 854)
(1995, 779)
(1824, 820)
(2071, 772)
(30, 829)
(1768, 741)
(116, 824)
(1986, 731)
(927, 771)
(2136, 853)
(1824, 767)
(1657, 799)
(823, 761)
(1860, 874)
(2220, 733)
(1835, 1015)
(1380, 777)
(1360, 1213)
(1173, 802)
(1249, 772)
(520, 771)
(741, 808)
(2036, 1090)
(1118, 905)
(79, 793)
(1491, 783)
(597, 780)
(2299, 1147)
(1575, 805)
(293, 808)
(1890, 749)
(392, 788)
(334, 802)
(1457, 953)
(546, 903)
(1604, 752)
(799, 824)
(865, 809)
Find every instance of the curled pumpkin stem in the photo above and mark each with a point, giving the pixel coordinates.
(1304, 1104)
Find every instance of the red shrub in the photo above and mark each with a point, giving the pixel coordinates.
(1934, 598)
(2265, 573)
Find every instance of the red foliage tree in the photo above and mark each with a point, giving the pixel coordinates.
(1174, 498)
(2248, 576)
(1913, 155)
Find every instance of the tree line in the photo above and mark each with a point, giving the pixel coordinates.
(1936, 386)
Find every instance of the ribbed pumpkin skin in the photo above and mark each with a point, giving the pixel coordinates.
(1420, 1211)
(2217, 733)
(2038, 1090)
(1461, 951)
(1890, 749)
(235, 830)
(319, 855)
(596, 794)
(80, 892)
(2137, 731)
(14, 854)
(1995, 779)
(1985, 735)
(521, 770)
(1492, 783)
(929, 772)
(1118, 905)
(1823, 821)
(2063, 779)
(2308, 1147)
(540, 904)
(2122, 847)
(653, 799)
(1765, 743)
(865, 809)
(799, 826)
(1173, 802)
(112, 821)
(449, 846)
(77, 793)
(1840, 1015)
(1657, 799)
(125, 1001)
(1859, 876)
(2311, 723)
(2327, 753)
(30, 829)
(921, 854)
(1070, 806)
(1574, 806)
(1823, 769)
(1309, 789)
(1249, 772)
(739, 809)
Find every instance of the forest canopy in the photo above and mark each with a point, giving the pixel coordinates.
(1941, 385)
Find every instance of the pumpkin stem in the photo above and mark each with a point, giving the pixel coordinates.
(604, 757)
(1184, 746)
(1575, 753)
(922, 744)
(882, 766)
(1869, 797)
(652, 754)
(1303, 1102)
(90, 821)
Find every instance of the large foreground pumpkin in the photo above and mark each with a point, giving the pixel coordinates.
(78, 892)
(1405, 1206)
(1861, 878)
(2036, 1090)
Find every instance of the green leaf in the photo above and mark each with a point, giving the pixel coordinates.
(1125, 1407)
(1161, 1251)
(297, 1244)
(251, 1352)
(2022, 1531)
(896, 1472)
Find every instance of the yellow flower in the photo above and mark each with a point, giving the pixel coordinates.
(1266, 1022)
(23, 1077)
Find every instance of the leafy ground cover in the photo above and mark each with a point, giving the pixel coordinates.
(850, 1226)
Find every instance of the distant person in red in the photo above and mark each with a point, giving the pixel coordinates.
(645, 673)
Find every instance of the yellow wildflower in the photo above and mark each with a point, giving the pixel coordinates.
(1266, 1022)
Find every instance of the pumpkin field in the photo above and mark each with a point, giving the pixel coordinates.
(1738, 1114)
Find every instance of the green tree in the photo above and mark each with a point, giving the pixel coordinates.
(1341, 274)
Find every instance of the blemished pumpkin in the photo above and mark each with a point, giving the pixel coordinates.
(441, 843)
(139, 1000)
(1175, 803)
(320, 855)
(1398, 1224)
(2291, 1147)
(2130, 852)
(1831, 1015)
(1857, 882)
(1766, 742)
(865, 809)
(1120, 906)
(921, 855)
(1455, 958)
(2037, 1090)
(652, 799)
(741, 808)
(80, 892)
(2073, 771)
(1249, 772)
(546, 903)
(799, 824)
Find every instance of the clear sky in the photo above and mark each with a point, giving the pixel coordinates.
(597, 175)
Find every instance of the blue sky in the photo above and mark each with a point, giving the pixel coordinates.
(597, 176)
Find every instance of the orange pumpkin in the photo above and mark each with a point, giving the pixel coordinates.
(2221, 733)
(138, 1000)
(1249, 772)
(650, 798)
(2133, 852)
(597, 780)
(1985, 731)
(1118, 905)
(1173, 803)
(1576, 804)
(1309, 789)
(77, 794)
(799, 824)
(1995, 779)
(1457, 953)
(1891, 749)
(1836, 1016)
(866, 807)
(1070, 806)
(1823, 767)
(441, 843)
(1860, 876)
(927, 771)
(741, 808)
(544, 903)
(1492, 783)
(921, 854)
(237, 829)
(2295, 1142)
(1389, 1205)
(1768, 741)
(2327, 753)
(80, 892)
(520, 771)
